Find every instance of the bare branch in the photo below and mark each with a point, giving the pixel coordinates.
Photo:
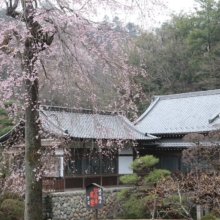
(45, 72)
(4, 45)
(11, 8)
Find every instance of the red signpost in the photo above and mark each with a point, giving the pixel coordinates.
(94, 197)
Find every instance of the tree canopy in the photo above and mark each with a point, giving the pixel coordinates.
(58, 45)
(182, 55)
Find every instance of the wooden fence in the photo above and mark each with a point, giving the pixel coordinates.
(51, 184)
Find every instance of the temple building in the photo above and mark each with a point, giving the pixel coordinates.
(101, 145)
(171, 117)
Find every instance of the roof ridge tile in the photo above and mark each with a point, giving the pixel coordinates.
(187, 94)
(80, 110)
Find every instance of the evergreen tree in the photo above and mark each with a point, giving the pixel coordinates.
(140, 199)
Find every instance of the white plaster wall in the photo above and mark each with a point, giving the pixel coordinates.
(61, 166)
(59, 151)
(124, 162)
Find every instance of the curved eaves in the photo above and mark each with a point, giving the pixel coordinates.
(136, 133)
(5, 137)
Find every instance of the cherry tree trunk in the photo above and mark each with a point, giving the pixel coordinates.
(33, 193)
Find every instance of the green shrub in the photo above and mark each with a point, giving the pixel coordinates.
(9, 103)
(5, 130)
(156, 175)
(124, 193)
(2, 216)
(137, 201)
(10, 195)
(6, 123)
(129, 179)
(3, 112)
(135, 206)
(13, 209)
(215, 213)
(208, 217)
(144, 163)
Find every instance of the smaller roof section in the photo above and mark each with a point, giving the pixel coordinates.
(182, 113)
(86, 124)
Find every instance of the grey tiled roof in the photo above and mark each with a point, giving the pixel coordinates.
(182, 113)
(87, 125)
(180, 143)
(177, 143)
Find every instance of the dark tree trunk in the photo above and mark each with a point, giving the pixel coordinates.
(33, 193)
(34, 44)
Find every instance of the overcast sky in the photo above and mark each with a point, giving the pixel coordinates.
(159, 15)
(181, 5)
(175, 6)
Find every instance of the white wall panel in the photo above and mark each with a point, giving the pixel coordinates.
(61, 166)
(124, 162)
(59, 151)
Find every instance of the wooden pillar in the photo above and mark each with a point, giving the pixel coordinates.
(199, 212)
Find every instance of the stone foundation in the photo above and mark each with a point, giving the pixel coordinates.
(71, 205)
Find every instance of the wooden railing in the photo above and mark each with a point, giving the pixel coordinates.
(52, 184)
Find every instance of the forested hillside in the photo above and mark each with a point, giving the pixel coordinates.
(183, 54)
